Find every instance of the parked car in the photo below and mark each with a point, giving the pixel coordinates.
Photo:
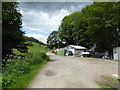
(106, 57)
(54, 51)
(86, 54)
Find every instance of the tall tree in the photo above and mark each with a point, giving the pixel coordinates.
(103, 24)
(12, 36)
(66, 30)
(73, 30)
(53, 40)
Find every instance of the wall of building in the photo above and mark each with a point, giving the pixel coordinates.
(77, 52)
(116, 53)
(73, 50)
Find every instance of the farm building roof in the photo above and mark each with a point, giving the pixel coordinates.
(77, 47)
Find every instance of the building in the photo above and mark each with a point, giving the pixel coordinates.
(75, 49)
(116, 53)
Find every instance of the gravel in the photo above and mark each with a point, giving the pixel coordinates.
(73, 72)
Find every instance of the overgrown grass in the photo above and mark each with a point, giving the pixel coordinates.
(19, 71)
(23, 83)
(0, 82)
(101, 84)
(108, 82)
(37, 49)
(110, 79)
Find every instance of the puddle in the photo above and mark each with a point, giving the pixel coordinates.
(52, 60)
(50, 73)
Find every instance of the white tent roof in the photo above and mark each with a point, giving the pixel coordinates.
(77, 47)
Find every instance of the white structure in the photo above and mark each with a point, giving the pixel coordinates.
(76, 50)
(116, 53)
(87, 53)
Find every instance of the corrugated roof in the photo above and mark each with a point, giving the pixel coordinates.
(77, 47)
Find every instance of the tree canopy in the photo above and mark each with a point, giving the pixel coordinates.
(12, 36)
(73, 30)
(53, 40)
(103, 24)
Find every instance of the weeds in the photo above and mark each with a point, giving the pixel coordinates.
(0, 82)
(108, 82)
(18, 72)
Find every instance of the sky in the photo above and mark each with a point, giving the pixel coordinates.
(41, 18)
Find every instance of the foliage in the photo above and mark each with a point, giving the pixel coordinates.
(66, 30)
(29, 43)
(35, 48)
(108, 82)
(1, 10)
(103, 23)
(53, 40)
(73, 30)
(17, 68)
(19, 71)
(12, 36)
(112, 80)
(0, 82)
(103, 85)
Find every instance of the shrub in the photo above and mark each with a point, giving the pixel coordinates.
(16, 68)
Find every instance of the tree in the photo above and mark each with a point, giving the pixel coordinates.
(66, 30)
(103, 21)
(73, 30)
(53, 40)
(12, 36)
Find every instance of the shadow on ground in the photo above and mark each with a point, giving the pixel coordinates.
(53, 60)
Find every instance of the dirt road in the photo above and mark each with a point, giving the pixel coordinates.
(73, 72)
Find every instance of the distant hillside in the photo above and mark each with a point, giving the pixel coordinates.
(27, 39)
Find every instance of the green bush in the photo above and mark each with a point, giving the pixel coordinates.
(16, 68)
(29, 43)
(0, 82)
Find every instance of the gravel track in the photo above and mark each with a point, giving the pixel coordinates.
(73, 72)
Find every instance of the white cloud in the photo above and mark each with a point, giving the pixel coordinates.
(43, 21)
(38, 36)
(46, 17)
(36, 29)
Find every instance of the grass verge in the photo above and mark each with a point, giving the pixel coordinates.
(102, 85)
(0, 82)
(19, 71)
(27, 78)
(108, 82)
